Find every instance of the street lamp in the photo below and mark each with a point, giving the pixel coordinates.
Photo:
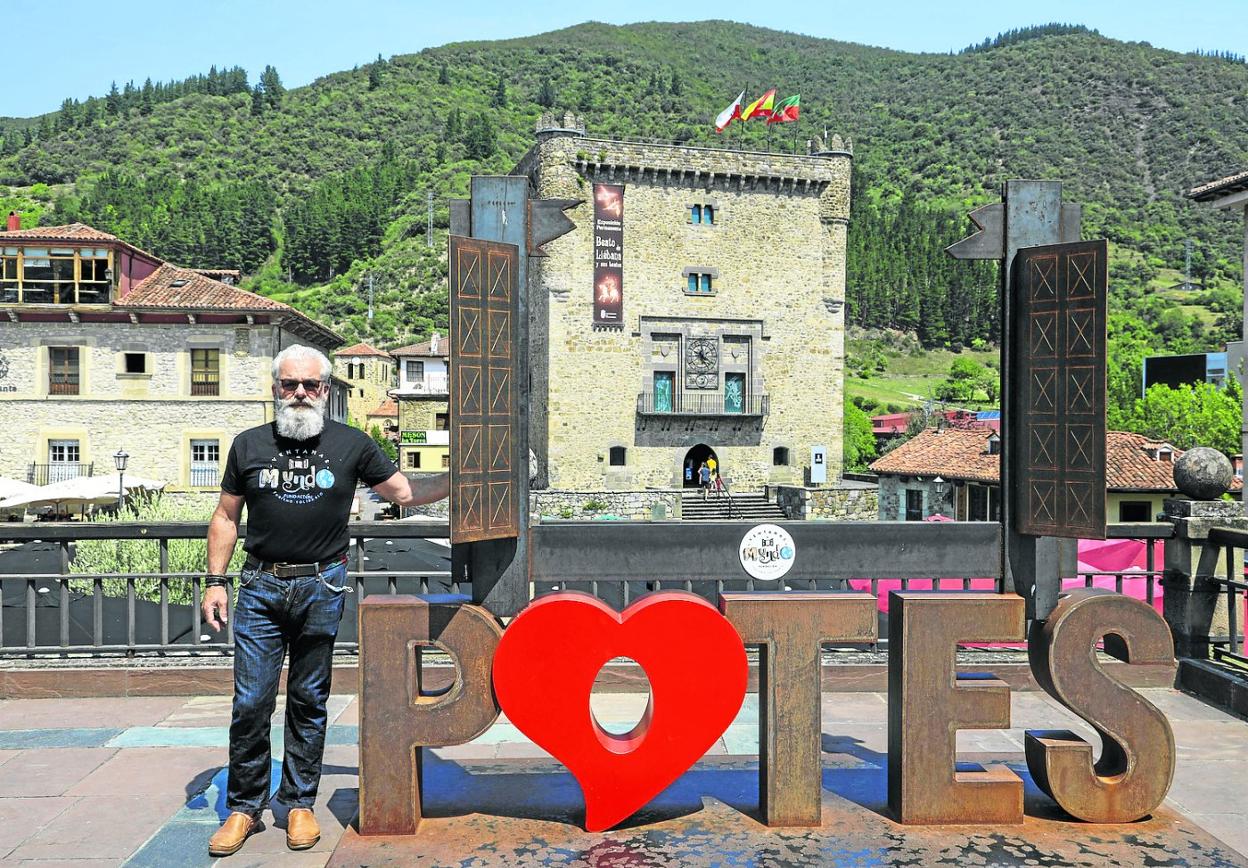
(942, 490)
(120, 457)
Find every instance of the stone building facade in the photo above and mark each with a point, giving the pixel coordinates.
(424, 409)
(162, 362)
(731, 340)
(369, 376)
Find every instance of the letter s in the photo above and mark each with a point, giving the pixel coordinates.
(1137, 760)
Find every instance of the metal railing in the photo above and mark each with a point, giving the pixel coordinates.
(1148, 533)
(205, 477)
(45, 474)
(62, 384)
(205, 383)
(53, 611)
(59, 613)
(1232, 584)
(692, 403)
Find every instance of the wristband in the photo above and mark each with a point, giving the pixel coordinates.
(215, 581)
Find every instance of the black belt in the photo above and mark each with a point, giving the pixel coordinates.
(283, 570)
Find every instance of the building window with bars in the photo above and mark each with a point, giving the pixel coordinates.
(205, 463)
(63, 371)
(205, 372)
(415, 370)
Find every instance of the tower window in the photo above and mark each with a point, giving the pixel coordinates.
(699, 283)
(617, 456)
(780, 456)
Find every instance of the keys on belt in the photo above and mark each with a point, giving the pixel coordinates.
(284, 570)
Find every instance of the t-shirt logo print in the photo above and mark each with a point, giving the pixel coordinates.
(304, 478)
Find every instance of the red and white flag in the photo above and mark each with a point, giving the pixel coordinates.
(729, 114)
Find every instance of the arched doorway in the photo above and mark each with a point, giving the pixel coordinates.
(693, 460)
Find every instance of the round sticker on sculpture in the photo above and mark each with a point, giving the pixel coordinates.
(767, 552)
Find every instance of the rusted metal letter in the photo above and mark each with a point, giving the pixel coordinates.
(789, 629)
(928, 702)
(1137, 760)
(396, 721)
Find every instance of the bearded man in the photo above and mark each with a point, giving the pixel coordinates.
(297, 475)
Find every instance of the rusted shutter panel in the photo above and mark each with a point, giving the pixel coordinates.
(483, 387)
(1059, 489)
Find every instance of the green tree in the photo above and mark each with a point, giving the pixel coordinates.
(1190, 415)
(499, 100)
(969, 381)
(112, 102)
(547, 96)
(859, 443)
(271, 85)
(480, 138)
(374, 73)
(384, 442)
(444, 75)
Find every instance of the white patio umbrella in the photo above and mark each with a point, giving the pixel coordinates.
(14, 487)
(79, 491)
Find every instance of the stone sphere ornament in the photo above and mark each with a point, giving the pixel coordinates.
(1203, 473)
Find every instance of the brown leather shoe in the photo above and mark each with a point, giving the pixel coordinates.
(302, 830)
(236, 829)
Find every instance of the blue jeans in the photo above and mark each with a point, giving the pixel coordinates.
(271, 615)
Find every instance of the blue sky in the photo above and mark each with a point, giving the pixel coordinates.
(86, 44)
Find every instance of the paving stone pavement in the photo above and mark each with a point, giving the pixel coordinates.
(140, 781)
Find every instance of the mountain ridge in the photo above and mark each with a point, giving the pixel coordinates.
(1127, 126)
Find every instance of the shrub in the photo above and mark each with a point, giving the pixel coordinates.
(128, 557)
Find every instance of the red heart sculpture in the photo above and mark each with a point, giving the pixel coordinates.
(544, 670)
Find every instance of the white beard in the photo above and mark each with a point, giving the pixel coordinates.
(299, 420)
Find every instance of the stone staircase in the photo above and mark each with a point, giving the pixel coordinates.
(746, 506)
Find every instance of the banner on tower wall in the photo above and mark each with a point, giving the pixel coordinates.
(608, 256)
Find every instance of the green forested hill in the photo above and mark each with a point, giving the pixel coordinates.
(333, 177)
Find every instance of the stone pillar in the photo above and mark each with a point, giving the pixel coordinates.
(1194, 607)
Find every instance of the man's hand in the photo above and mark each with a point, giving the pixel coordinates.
(216, 607)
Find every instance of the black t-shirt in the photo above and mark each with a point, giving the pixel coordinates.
(299, 492)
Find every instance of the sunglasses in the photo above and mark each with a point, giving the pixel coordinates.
(309, 386)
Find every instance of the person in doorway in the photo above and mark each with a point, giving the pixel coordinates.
(297, 476)
(704, 478)
(713, 466)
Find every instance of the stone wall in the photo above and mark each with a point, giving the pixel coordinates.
(420, 414)
(892, 504)
(857, 503)
(631, 505)
(786, 322)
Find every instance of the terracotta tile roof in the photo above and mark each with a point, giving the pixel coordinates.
(954, 453)
(422, 349)
(219, 273)
(184, 289)
(1129, 464)
(363, 349)
(387, 407)
(68, 232)
(1222, 186)
(962, 454)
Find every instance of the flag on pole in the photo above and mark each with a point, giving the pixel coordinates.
(789, 110)
(761, 107)
(728, 115)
